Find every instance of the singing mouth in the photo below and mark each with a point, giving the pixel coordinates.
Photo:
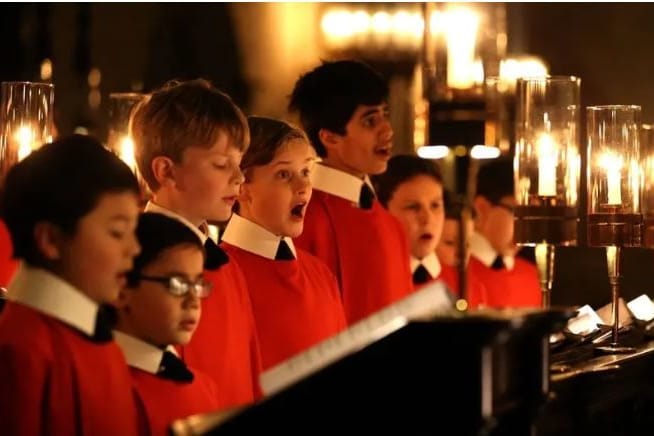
(426, 237)
(297, 211)
(383, 151)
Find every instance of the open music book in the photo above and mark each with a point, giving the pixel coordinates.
(433, 299)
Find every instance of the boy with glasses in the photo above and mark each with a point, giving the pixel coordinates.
(158, 309)
(510, 281)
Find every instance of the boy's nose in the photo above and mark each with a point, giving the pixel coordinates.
(238, 176)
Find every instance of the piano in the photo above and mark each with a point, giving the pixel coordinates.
(484, 372)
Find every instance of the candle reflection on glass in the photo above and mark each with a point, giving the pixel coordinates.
(546, 166)
(612, 165)
(126, 152)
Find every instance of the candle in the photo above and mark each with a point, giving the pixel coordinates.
(546, 166)
(612, 164)
(127, 152)
(25, 139)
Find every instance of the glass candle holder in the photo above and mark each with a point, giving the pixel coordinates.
(547, 162)
(26, 120)
(119, 140)
(615, 216)
(647, 157)
(614, 176)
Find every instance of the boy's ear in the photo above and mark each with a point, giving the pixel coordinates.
(48, 239)
(329, 139)
(163, 170)
(481, 205)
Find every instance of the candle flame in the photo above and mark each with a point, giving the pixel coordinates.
(25, 138)
(612, 164)
(126, 152)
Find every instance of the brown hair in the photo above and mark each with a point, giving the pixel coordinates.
(180, 115)
(267, 136)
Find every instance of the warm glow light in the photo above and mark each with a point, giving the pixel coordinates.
(484, 152)
(360, 22)
(612, 165)
(461, 25)
(126, 152)
(437, 23)
(24, 137)
(546, 150)
(94, 78)
(381, 22)
(513, 69)
(94, 98)
(572, 177)
(343, 29)
(46, 69)
(636, 177)
(433, 151)
(478, 72)
(337, 27)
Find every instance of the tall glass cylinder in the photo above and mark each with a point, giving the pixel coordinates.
(119, 140)
(647, 157)
(614, 176)
(547, 162)
(26, 120)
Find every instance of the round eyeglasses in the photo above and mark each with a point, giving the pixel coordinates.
(179, 286)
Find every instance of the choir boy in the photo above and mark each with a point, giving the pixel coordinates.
(509, 280)
(294, 295)
(343, 108)
(412, 191)
(159, 309)
(71, 208)
(189, 139)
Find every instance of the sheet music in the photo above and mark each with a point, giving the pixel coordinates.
(642, 308)
(432, 299)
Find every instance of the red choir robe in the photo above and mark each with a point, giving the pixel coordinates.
(515, 285)
(296, 303)
(164, 399)
(476, 290)
(477, 294)
(225, 345)
(8, 264)
(366, 249)
(54, 379)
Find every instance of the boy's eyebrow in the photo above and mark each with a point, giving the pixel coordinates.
(288, 162)
(374, 110)
(121, 217)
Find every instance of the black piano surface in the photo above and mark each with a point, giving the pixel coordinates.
(477, 374)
